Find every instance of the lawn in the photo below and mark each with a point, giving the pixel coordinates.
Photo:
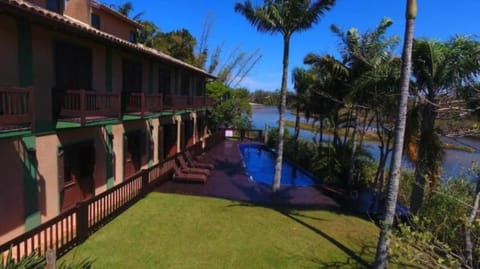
(175, 231)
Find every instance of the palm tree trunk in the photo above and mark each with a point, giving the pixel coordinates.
(468, 229)
(426, 166)
(381, 257)
(295, 138)
(351, 171)
(283, 103)
(297, 132)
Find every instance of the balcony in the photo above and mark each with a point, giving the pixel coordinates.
(16, 108)
(143, 104)
(209, 102)
(85, 106)
(199, 102)
(175, 102)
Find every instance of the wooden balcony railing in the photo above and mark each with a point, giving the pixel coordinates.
(144, 103)
(16, 108)
(209, 102)
(197, 102)
(175, 102)
(88, 106)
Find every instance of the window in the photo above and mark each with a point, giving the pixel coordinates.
(164, 80)
(73, 66)
(185, 85)
(56, 5)
(78, 161)
(95, 18)
(137, 150)
(200, 89)
(133, 36)
(132, 76)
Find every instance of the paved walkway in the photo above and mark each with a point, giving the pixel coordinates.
(229, 180)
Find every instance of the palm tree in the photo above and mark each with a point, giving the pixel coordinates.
(285, 17)
(125, 9)
(440, 69)
(302, 81)
(381, 257)
(354, 81)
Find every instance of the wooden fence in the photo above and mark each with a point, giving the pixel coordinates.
(74, 226)
(243, 134)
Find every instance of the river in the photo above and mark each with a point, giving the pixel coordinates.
(455, 162)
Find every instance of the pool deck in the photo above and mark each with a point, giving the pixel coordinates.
(229, 181)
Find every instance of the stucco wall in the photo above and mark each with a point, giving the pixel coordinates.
(47, 167)
(78, 9)
(8, 52)
(12, 208)
(155, 140)
(113, 25)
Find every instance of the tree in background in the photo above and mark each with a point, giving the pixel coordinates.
(285, 18)
(231, 107)
(441, 69)
(381, 257)
(302, 81)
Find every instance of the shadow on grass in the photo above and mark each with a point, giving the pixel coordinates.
(352, 254)
(354, 260)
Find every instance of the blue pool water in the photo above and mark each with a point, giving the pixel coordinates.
(260, 165)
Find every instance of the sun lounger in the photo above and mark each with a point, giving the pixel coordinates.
(186, 169)
(182, 176)
(193, 163)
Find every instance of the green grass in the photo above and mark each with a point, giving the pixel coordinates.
(174, 231)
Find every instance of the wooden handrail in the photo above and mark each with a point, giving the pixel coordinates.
(16, 106)
(84, 104)
(142, 103)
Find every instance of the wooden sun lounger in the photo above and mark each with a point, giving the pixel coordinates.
(179, 175)
(192, 162)
(186, 169)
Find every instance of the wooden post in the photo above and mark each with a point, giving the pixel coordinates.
(142, 104)
(118, 104)
(51, 258)
(82, 221)
(145, 184)
(83, 107)
(31, 104)
(265, 138)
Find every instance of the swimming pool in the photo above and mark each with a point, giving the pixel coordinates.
(260, 164)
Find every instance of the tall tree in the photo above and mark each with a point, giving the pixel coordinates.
(381, 257)
(302, 81)
(125, 9)
(440, 69)
(284, 17)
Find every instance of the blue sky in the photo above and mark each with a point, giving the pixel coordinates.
(440, 19)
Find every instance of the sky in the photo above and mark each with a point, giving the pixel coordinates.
(438, 19)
